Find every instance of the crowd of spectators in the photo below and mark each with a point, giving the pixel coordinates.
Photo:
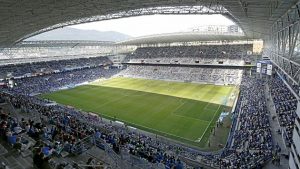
(55, 81)
(254, 127)
(252, 140)
(285, 105)
(41, 77)
(204, 54)
(54, 134)
(30, 69)
(179, 73)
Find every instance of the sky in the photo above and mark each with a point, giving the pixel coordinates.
(155, 24)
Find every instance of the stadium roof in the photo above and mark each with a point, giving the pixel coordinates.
(21, 19)
(182, 37)
(63, 43)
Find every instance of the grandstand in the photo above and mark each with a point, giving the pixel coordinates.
(213, 99)
(34, 51)
(234, 55)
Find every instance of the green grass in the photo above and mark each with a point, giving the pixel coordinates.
(185, 112)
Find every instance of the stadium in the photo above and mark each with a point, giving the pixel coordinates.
(215, 96)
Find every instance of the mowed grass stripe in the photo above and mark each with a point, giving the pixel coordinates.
(179, 118)
(206, 93)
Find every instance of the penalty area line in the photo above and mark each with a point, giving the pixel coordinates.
(199, 140)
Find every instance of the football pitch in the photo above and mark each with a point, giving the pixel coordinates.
(185, 112)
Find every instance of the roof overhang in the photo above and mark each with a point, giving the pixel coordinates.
(21, 19)
(183, 37)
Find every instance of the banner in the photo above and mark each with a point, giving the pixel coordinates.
(269, 69)
(259, 65)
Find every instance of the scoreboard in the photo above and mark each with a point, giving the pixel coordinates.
(264, 67)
